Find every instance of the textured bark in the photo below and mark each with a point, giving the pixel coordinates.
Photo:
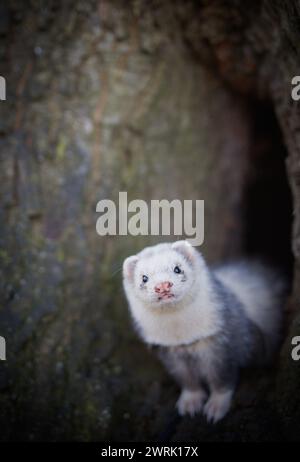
(158, 99)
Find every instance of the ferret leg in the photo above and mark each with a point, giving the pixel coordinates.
(191, 401)
(193, 396)
(218, 404)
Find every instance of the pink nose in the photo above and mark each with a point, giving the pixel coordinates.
(163, 287)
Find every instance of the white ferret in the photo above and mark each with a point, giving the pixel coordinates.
(206, 324)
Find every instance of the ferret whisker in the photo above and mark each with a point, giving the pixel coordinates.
(117, 271)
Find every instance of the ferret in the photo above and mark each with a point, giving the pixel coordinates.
(206, 323)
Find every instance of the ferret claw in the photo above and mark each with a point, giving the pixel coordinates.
(217, 406)
(191, 402)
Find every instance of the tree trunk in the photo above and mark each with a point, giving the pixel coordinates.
(161, 99)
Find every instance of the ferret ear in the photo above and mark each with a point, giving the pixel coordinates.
(186, 249)
(128, 266)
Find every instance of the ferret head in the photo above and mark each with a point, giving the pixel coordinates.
(164, 274)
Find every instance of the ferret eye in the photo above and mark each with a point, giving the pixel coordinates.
(145, 278)
(177, 270)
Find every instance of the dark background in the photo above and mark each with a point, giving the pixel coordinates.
(163, 99)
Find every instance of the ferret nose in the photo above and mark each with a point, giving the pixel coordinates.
(163, 287)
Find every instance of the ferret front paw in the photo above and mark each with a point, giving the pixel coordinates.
(191, 402)
(217, 405)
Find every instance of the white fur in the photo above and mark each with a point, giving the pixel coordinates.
(217, 405)
(191, 315)
(259, 299)
(191, 402)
